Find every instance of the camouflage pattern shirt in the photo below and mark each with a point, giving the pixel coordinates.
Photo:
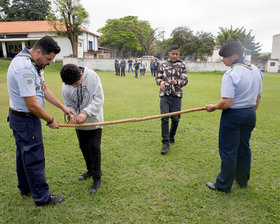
(168, 71)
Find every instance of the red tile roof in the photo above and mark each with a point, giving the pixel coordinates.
(29, 27)
(25, 27)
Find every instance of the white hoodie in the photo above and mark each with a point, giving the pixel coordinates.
(91, 98)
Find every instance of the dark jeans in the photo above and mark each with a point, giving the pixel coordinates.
(236, 126)
(155, 72)
(30, 157)
(136, 73)
(90, 141)
(169, 104)
(123, 72)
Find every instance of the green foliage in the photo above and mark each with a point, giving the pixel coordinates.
(68, 17)
(226, 35)
(264, 57)
(139, 185)
(127, 35)
(197, 46)
(163, 46)
(4, 8)
(117, 34)
(24, 10)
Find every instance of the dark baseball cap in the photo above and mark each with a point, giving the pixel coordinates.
(230, 49)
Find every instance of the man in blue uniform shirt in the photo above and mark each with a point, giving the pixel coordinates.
(241, 93)
(27, 90)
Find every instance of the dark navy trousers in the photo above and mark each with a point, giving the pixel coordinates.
(30, 158)
(169, 104)
(236, 126)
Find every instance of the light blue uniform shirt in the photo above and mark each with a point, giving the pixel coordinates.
(243, 83)
(23, 80)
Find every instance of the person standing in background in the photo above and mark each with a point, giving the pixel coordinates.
(123, 65)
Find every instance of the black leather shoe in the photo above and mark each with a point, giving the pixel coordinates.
(95, 186)
(165, 149)
(52, 200)
(85, 176)
(211, 186)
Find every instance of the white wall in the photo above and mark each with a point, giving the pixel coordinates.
(65, 45)
(274, 68)
(108, 64)
(86, 37)
(275, 54)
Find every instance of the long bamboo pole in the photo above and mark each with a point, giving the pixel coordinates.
(133, 119)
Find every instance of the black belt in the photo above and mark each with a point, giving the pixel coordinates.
(21, 114)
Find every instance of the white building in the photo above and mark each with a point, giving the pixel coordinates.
(14, 36)
(273, 65)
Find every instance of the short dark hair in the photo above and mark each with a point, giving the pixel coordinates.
(70, 74)
(174, 47)
(47, 45)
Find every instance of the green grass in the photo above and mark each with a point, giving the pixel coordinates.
(139, 185)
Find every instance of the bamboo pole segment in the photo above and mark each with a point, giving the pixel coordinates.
(133, 119)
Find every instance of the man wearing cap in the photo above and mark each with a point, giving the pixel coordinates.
(241, 93)
(171, 78)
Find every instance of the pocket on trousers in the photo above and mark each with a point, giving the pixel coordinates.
(33, 153)
(20, 129)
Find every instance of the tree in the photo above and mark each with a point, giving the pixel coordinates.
(4, 7)
(198, 46)
(117, 35)
(127, 35)
(68, 17)
(239, 34)
(145, 35)
(24, 10)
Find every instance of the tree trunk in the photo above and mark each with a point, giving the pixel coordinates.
(74, 42)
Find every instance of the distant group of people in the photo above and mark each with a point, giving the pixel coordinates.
(83, 103)
(138, 66)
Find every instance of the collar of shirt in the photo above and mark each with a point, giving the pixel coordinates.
(26, 53)
(178, 60)
(243, 62)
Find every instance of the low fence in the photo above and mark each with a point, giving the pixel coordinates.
(108, 64)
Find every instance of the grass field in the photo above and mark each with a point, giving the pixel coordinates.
(139, 185)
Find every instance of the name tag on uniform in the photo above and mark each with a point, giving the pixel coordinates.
(28, 76)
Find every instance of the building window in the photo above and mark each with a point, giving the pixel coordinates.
(272, 63)
(90, 45)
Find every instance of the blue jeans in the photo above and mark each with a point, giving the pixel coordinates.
(130, 68)
(236, 126)
(30, 157)
(136, 73)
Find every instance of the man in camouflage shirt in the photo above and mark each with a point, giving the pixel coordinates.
(171, 78)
